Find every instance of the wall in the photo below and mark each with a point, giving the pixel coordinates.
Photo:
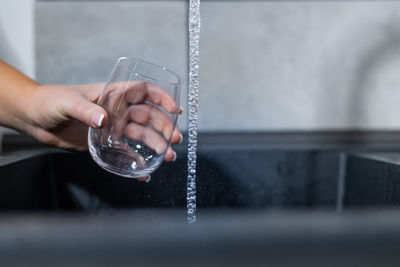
(265, 65)
(16, 36)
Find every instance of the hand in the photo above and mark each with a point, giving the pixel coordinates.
(142, 112)
(60, 115)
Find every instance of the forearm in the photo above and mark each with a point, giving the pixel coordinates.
(15, 94)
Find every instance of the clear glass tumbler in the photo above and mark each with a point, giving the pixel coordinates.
(142, 104)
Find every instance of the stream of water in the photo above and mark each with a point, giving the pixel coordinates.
(193, 101)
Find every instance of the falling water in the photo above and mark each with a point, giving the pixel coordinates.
(194, 38)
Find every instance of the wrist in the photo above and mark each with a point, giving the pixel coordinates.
(29, 107)
(22, 111)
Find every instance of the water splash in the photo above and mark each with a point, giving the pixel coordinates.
(193, 95)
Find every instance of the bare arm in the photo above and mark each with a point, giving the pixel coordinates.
(15, 91)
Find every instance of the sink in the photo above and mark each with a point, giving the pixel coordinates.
(276, 199)
(238, 178)
(230, 176)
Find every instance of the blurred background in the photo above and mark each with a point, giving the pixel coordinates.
(265, 65)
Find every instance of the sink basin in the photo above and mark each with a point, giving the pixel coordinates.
(274, 199)
(236, 178)
(234, 175)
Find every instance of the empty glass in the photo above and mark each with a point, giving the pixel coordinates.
(142, 104)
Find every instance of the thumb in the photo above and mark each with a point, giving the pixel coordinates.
(87, 112)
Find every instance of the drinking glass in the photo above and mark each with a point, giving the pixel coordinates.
(142, 104)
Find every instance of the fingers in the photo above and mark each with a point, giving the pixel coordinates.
(177, 137)
(83, 110)
(151, 138)
(160, 97)
(146, 115)
(146, 179)
(146, 135)
(170, 156)
(138, 104)
(139, 92)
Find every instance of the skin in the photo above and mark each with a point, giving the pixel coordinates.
(60, 115)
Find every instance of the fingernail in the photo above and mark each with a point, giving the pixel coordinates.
(175, 156)
(180, 110)
(98, 119)
(148, 179)
(180, 138)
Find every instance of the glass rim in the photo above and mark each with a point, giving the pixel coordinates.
(155, 65)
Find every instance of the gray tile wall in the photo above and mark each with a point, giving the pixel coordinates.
(265, 65)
